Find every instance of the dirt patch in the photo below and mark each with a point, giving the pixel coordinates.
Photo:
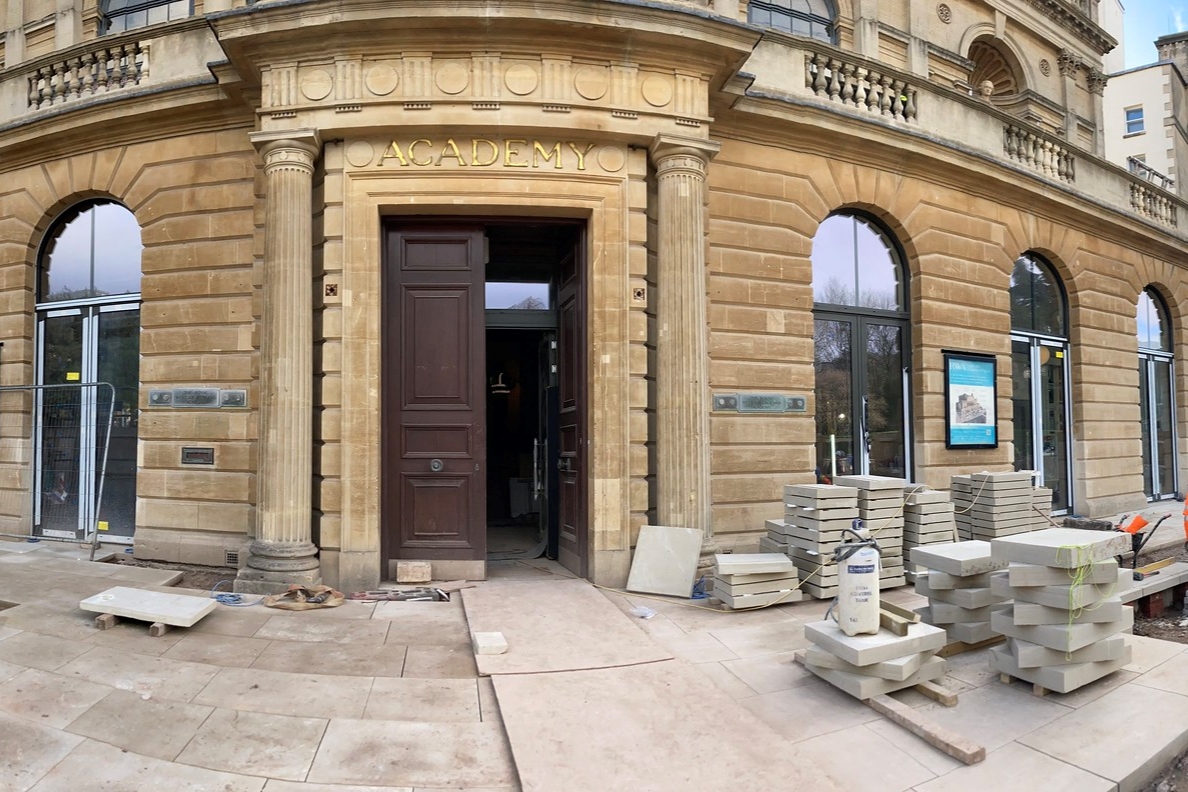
(203, 578)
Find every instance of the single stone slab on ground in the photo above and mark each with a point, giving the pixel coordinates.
(862, 650)
(177, 610)
(957, 558)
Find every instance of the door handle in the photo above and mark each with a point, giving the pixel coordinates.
(436, 465)
(563, 464)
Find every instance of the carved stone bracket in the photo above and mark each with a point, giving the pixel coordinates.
(1097, 81)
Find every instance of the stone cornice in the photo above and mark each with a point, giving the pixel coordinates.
(1071, 18)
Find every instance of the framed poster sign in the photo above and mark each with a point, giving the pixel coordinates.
(971, 401)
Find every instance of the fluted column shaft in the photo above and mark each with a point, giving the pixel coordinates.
(283, 552)
(682, 345)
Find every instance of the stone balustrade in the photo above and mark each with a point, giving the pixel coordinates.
(1039, 152)
(857, 85)
(99, 70)
(1149, 201)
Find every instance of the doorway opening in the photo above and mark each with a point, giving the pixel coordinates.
(485, 448)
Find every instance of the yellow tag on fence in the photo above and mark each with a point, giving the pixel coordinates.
(73, 376)
(103, 525)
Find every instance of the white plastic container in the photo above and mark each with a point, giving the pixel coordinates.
(858, 592)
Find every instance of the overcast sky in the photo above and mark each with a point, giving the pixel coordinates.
(1147, 20)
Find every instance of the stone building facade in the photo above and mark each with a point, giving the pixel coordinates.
(741, 242)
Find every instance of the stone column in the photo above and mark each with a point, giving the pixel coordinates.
(1097, 85)
(682, 344)
(282, 552)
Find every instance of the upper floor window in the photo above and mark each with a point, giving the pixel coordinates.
(1134, 120)
(120, 15)
(1154, 329)
(93, 250)
(813, 18)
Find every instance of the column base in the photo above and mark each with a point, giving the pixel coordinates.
(274, 566)
(257, 581)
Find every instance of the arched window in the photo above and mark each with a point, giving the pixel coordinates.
(92, 251)
(1157, 406)
(1040, 377)
(88, 364)
(856, 264)
(860, 333)
(812, 18)
(116, 16)
(1037, 299)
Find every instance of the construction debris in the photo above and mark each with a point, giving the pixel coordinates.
(419, 594)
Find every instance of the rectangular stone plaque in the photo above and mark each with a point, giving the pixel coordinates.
(233, 398)
(759, 403)
(197, 455)
(195, 397)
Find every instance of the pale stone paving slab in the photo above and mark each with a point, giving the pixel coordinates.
(30, 751)
(360, 633)
(256, 743)
(9, 670)
(44, 619)
(748, 641)
(342, 659)
(726, 681)
(936, 761)
(647, 704)
(156, 676)
(154, 728)
(488, 704)
(238, 622)
(769, 673)
(427, 700)
(1148, 653)
(1089, 737)
(665, 560)
(46, 652)
(867, 763)
(833, 710)
(579, 629)
(882, 646)
(220, 650)
(994, 715)
(440, 662)
(284, 693)
(275, 785)
(1061, 547)
(7, 632)
(401, 753)
(95, 765)
(47, 698)
(1004, 770)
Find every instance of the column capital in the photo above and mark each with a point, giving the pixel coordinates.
(293, 148)
(672, 152)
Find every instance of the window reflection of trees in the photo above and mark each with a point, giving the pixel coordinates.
(855, 265)
(1037, 304)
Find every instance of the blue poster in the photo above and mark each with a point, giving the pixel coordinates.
(970, 388)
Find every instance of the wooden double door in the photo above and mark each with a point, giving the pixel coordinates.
(436, 383)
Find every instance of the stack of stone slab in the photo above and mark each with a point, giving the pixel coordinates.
(755, 579)
(1041, 509)
(880, 507)
(927, 519)
(871, 665)
(956, 579)
(815, 518)
(1066, 624)
(990, 505)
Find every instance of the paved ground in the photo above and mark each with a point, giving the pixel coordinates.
(370, 697)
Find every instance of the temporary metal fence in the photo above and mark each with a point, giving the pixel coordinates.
(51, 476)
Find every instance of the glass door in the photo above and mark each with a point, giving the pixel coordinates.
(1157, 406)
(86, 431)
(1040, 401)
(860, 393)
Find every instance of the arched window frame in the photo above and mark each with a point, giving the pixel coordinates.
(117, 16)
(48, 244)
(792, 17)
(1155, 308)
(897, 259)
(1058, 298)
